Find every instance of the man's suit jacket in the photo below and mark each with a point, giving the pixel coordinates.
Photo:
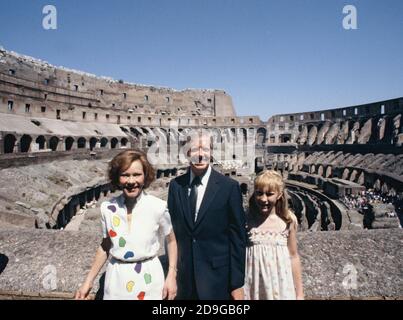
(212, 249)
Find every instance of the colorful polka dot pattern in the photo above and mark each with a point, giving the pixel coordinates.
(147, 278)
(129, 286)
(129, 254)
(137, 268)
(112, 208)
(116, 221)
(122, 242)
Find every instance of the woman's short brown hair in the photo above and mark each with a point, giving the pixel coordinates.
(122, 162)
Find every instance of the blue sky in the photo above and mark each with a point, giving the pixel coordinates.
(271, 56)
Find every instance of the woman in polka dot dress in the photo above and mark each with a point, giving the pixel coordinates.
(131, 225)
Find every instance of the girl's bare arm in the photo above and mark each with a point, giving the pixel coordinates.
(295, 261)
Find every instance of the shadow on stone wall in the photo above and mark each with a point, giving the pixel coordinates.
(3, 262)
(100, 293)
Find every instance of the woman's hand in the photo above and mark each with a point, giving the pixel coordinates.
(169, 291)
(83, 292)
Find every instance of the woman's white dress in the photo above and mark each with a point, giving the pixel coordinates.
(268, 266)
(134, 270)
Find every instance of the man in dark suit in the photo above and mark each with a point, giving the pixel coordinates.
(209, 224)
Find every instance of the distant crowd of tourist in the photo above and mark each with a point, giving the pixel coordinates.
(364, 202)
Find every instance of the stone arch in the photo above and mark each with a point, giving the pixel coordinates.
(312, 134)
(93, 143)
(285, 138)
(320, 170)
(69, 141)
(174, 172)
(53, 142)
(346, 174)
(353, 175)
(40, 141)
(81, 142)
(328, 172)
(104, 142)
(244, 134)
(377, 185)
(145, 130)
(25, 143)
(361, 178)
(261, 135)
(384, 188)
(9, 143)
(244, 188)
(392, 192)
(258, 164)
(313, 169)
(114, 143)
(123, 142)
(136, 132)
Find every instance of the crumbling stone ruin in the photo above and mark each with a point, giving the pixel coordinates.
(60, 127)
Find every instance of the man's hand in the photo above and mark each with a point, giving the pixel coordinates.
(238, 294)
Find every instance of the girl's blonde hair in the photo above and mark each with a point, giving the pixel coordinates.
(272, 181)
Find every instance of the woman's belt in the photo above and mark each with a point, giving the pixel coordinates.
(116, 260)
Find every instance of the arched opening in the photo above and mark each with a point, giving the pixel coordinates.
(25, 143)
(346, 174)
(244, 188)
(135, 132)
(114, 143)
(261, 136)
(123, 142)
(69, 143)
(385, 188)
(9, 143)
(174, 172)
(258, 165)
(328, 172)
(53, 142)
(285, 138)
(81, 143)
(40, 141)
(361, 179)
(93, 143)
(244, 134)
(353, 176)
(145, 130)
(104, 142)
(377, 185)
(320, 171)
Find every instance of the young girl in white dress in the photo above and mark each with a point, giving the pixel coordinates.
(273, 268)
(131, 224)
